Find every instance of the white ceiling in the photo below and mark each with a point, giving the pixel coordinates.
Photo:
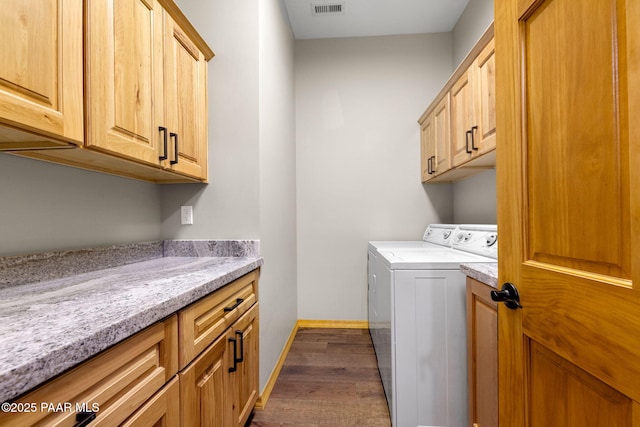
(374, 17)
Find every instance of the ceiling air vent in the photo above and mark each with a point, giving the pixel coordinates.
(327, 9)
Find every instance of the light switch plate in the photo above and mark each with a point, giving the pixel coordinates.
(186, 215)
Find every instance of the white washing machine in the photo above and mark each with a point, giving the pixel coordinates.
(417, 322)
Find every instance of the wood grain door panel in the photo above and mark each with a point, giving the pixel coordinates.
(569, 167)
(125, 78)
(41, 70)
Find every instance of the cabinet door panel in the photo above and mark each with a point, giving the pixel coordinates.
(186, 79)
(43, 43)
(462, 117)
(485, 135)
(245, 378)
(124, 78)
(204, 395)
(442, 136)
(427, 148)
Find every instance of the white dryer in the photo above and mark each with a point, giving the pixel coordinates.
(418, 325)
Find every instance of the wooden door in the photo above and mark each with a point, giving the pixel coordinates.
(186, 102)
(244, 381)
(427, 148)
(484, 137)
(462, 117)
(442, 136)
(204, 387)
(568, 176)
(41, 71)
(124, 78)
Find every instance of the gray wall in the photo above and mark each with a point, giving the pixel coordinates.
(251, 153)
(358, 164)
(46, 207)
(473, 22)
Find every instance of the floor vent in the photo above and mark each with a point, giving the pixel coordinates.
(327, 9)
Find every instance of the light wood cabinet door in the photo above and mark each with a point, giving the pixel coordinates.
(484, 138)
(244, 380)
(205, 396)
(442, 136)
(568, 210)
(482, 354)
(427, 148)
(124, 78)
(163, 409)
(435, 141)
(41, 74)
(463, 117)
(186, 103)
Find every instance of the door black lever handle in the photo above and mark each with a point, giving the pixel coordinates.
(508, 295)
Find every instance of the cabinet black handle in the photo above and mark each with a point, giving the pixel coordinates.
(241, 358)
(235, 349)
(84, 418)
(429, 166)
(175, 137)
(473, 138)
(234, 306)
(433, 167)
(164, 131)
(466, 145)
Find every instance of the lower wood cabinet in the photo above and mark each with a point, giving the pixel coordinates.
(482, 353)
(219, 388)
(163, 409)
(138, 382)
(114, 385)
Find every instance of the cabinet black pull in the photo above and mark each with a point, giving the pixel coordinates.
(234, 306)
(235, 361)
(429, 166)
(175, 137)
(84, 418)
(433, 167)
(466, 145)
(164, 131)
(241, 358)
(473, 138)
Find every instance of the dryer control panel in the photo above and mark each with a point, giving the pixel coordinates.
(477, 238)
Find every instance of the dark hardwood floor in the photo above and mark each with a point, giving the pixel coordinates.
(329, 378)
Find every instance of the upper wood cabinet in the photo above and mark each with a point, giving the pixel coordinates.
(145, 99)
(146, 87)
(185, 102)
(473, 117)
(435, 140)
(41, 74)
(466, 146)
(124, 78)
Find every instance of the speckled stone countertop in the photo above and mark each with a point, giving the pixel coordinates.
(485, 272)
(52, 325)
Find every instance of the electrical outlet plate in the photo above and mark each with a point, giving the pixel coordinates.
(186, 215)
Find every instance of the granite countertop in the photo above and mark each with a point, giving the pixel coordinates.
(52, 325)
(485, 272)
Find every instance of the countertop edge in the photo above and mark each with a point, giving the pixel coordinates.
(485, 272)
